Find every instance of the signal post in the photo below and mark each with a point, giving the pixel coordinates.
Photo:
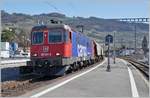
(108, 40)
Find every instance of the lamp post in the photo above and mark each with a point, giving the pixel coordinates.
(80, 26)
(114, 52)
(135, 38)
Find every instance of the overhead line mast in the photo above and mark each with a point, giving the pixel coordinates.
(134, 20)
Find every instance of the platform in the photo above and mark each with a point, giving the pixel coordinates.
(122, 81)
(9, 63)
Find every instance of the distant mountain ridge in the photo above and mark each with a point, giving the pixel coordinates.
(94, 27)
(99, 24)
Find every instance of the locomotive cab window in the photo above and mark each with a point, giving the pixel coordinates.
(37, 37)
(57, 35)
(65, 37)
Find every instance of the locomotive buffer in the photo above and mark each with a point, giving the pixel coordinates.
(108, 40)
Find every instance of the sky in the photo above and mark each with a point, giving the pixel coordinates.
(83, 8)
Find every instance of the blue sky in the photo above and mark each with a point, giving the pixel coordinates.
(84, 8)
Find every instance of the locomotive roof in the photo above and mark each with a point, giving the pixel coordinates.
(41, 27)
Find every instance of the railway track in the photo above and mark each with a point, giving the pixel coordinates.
(140, 66)
(18, 82)
(22, 84)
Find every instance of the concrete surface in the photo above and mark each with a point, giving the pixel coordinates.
(97, 83)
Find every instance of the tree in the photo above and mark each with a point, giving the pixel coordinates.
(7, 35)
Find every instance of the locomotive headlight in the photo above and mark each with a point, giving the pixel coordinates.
(35, 54)
(57, 54)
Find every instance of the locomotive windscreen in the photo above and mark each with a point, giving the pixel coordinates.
(57, 35)
(37, 37)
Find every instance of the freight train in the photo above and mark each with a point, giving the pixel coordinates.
(58, 49)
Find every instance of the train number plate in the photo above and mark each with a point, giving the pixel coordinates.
(45, 48)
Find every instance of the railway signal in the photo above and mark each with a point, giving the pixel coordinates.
(108, 40)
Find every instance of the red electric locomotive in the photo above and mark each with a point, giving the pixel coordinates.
(50, 46)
